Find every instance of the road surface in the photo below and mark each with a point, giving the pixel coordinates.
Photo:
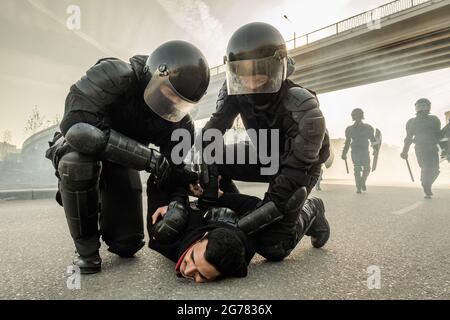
(390, 232)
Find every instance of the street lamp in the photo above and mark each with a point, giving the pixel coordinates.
(295, 34)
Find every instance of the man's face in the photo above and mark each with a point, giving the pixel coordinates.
(195, 267)
(253, 82)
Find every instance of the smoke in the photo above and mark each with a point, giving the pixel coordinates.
(195, 18)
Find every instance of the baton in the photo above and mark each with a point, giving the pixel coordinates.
(409, 169)
(346, 166)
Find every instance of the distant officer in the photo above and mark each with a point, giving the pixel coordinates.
(425, 132)
(328, 165)
(357, 137)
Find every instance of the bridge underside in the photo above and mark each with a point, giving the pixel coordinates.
(403, 46)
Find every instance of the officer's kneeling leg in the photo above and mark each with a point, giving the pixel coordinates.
(121, 219)
(274, 253)
(79, 194)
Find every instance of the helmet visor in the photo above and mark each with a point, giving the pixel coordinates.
(256, 76)
(164, 100)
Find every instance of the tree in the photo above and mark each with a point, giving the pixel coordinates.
(6, 137)
(35, 122)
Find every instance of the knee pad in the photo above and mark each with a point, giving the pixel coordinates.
(128, 246)
(78, 172)
(274, 253)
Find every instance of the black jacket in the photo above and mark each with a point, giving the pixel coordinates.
(196, 228)
(424, 131)
(358, 136)
(111, 96)
(304, 141)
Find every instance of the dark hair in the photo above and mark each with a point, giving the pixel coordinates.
(226, 252)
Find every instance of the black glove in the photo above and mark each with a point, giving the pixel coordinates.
(210, 185)
(169, 229)
(224, 215)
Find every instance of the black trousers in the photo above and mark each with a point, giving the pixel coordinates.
(121, 213)
(361, 166)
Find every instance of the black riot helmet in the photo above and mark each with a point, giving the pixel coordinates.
(358, 114)
(423, 105)
(178, 77)
(256, 60)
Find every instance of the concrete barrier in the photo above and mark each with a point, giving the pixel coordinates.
(11, 195)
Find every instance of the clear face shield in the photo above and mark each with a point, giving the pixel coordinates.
(164, 100)
(256, 76)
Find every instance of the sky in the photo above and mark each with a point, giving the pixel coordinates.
(41, 58)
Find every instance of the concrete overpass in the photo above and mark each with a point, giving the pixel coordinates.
(401, 38)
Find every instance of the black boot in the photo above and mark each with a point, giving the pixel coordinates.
(363, 186)
(318, 228)
(88, 265)
(358, 179)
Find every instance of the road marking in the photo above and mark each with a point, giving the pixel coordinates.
(408, 209)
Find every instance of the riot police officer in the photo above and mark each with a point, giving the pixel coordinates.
(257, 89)
(358, 136)
(112, 115)
(425, 132)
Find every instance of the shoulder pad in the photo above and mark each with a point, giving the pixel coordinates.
(223, 93)
(300, 99)
(138, 65)
(411, 122)
(348, 130)
(435, 118)
(107, 80)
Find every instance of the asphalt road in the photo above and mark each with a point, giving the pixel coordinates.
(405, 237)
